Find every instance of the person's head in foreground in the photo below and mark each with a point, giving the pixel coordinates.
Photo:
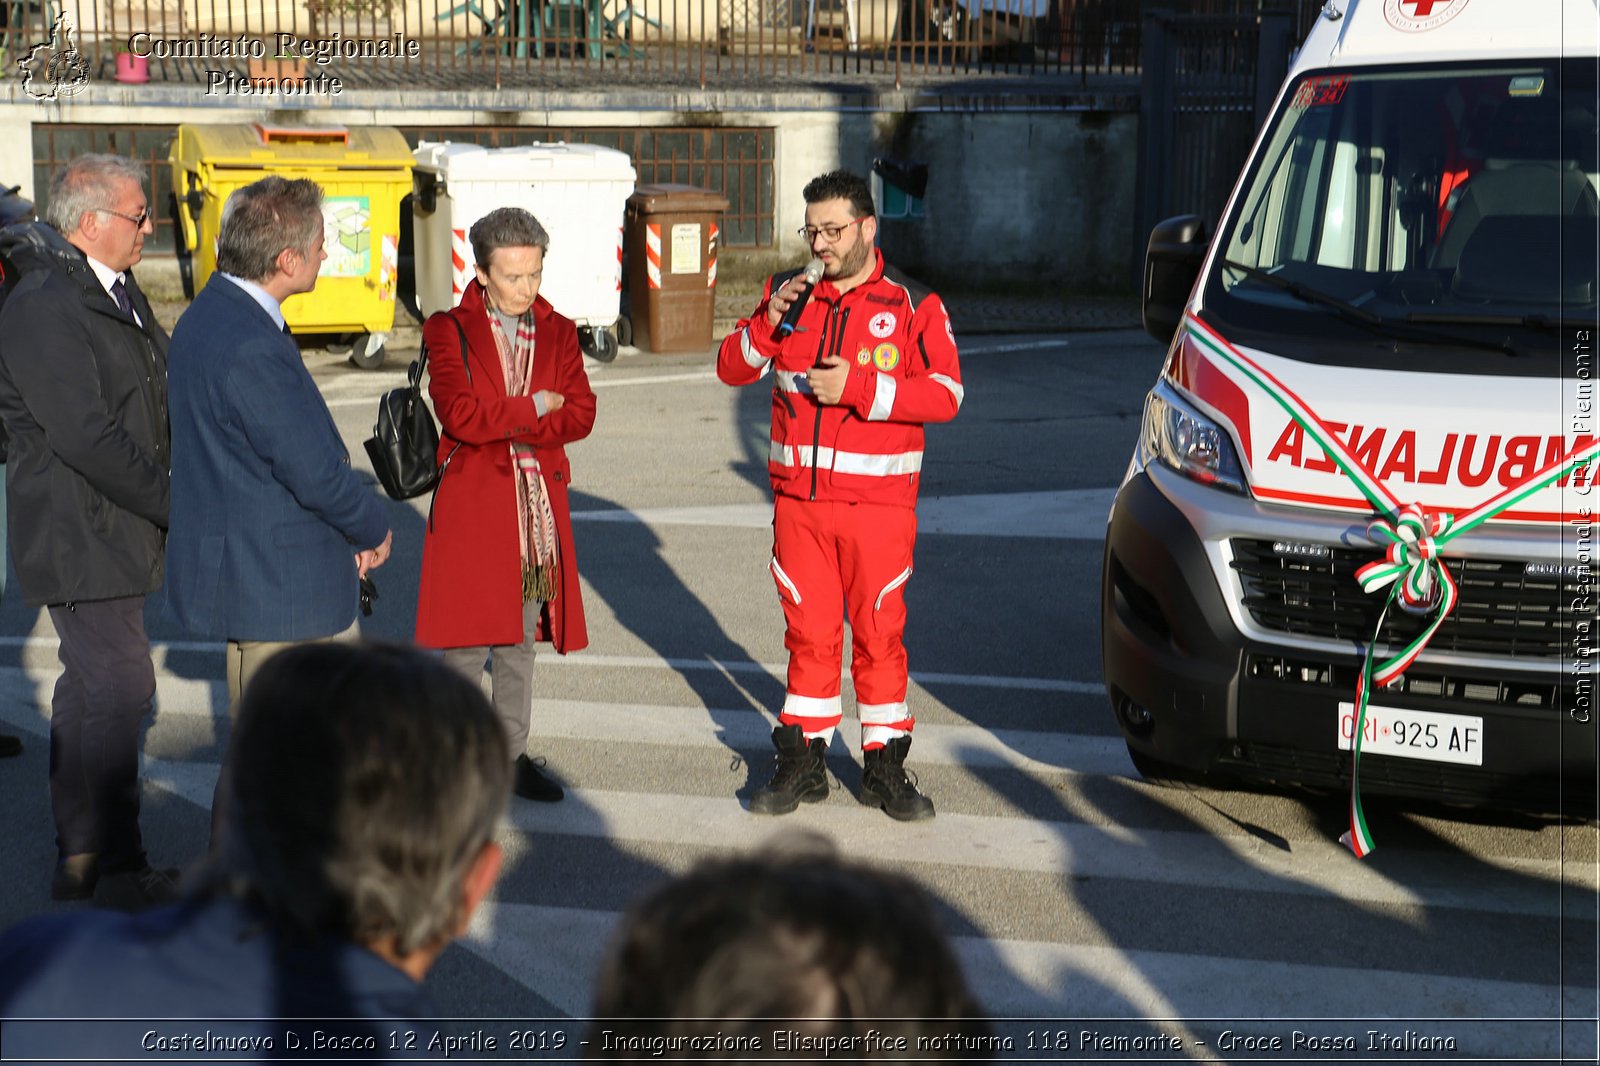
(776, 953)
(367, 781)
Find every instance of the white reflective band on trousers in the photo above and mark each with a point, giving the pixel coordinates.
(883, 722)
(824, 713)
(846, 462)
(784, 580)
(905, 575)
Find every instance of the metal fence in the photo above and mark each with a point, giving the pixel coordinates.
(736, 162)
(446, 44)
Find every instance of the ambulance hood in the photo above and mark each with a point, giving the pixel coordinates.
(1447, 441)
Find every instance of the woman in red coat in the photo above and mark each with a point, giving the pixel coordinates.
(499, 572)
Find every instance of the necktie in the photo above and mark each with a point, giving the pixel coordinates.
(119, 293)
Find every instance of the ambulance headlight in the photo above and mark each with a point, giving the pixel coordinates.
(1180, 437)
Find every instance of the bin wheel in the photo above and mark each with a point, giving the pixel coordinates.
(597, 343)
(342, 343)
(369, 351)
(625, 331)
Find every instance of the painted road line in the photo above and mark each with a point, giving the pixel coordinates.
(1230, 860)
(44, 669)
(1070, 514)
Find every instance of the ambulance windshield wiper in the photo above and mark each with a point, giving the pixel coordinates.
(1543, 323)
(1386, 327)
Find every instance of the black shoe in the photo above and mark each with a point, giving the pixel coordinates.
(884, 783)
(75, 876)
(10, 746)
(801, 775)
(135, 890)
(531, 784)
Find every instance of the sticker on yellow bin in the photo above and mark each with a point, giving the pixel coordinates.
(347, 236)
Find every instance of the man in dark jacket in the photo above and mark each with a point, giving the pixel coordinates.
(83, 396)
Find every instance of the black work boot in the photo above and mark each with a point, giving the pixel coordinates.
(884, 783)
(801, 775)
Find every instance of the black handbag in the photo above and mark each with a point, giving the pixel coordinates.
(404, 446)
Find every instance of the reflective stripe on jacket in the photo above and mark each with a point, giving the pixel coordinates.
(904, 372)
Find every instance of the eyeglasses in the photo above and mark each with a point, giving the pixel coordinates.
(138, 220)
(828, 232)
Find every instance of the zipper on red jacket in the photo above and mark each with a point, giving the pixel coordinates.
(842, 314)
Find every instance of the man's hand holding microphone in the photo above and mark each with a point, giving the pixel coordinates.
(827, 378)
(789, 299)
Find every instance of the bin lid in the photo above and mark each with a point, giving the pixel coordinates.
(455, 161)
(668, 196)
(255, 144)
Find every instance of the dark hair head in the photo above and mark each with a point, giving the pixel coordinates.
(263, 219)
(794, 932)
(842, 185)
(364, 779)
(506, 227)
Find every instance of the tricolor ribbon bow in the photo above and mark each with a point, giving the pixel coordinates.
(1423, 583)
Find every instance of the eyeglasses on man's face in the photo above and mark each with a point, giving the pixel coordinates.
(138, 220)
(829, 231)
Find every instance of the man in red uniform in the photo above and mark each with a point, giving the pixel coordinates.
(871, 360)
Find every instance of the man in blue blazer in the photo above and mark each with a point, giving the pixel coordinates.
(271, 529)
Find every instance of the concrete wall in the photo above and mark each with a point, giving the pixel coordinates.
(1042, 195)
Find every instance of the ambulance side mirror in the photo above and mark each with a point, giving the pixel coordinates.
(1171, 264)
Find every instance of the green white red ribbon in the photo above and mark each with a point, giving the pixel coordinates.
(1414, 536)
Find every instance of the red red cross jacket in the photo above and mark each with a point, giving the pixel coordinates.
(903, 372)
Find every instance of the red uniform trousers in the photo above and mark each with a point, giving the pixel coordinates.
(830, 559)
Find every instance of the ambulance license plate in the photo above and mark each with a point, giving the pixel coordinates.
(1456, 738)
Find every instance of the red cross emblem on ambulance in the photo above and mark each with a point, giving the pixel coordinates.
(1415, 16)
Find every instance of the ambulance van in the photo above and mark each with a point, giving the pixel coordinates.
(1374, 427)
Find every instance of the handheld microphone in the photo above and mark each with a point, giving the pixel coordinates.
(791, 317)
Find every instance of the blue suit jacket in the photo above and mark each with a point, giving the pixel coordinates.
(211, 959)
(267, 514)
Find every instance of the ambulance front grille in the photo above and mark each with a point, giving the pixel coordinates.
(1503, 611)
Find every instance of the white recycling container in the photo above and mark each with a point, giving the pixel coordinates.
(578, 192)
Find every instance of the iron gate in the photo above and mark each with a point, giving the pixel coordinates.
(1208, 83)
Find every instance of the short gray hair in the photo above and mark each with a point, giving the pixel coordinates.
(262, 219)
(88, 183)
(362, 782)
(506, 227)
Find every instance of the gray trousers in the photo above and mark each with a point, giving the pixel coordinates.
(510, 676)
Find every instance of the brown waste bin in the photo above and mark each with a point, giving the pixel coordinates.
(671, 236)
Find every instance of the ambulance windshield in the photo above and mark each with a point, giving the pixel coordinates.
(1444, 197)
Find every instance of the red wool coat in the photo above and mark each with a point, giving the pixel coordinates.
(471, 590)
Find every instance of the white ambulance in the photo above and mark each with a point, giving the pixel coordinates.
(1374, 426)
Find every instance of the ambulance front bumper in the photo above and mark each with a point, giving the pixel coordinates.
(1232, 632)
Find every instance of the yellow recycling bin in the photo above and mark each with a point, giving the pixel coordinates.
(364, 173)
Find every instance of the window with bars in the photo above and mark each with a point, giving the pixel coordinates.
(55, 144)
(738, 163)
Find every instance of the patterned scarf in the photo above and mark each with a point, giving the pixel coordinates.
(536, 523)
